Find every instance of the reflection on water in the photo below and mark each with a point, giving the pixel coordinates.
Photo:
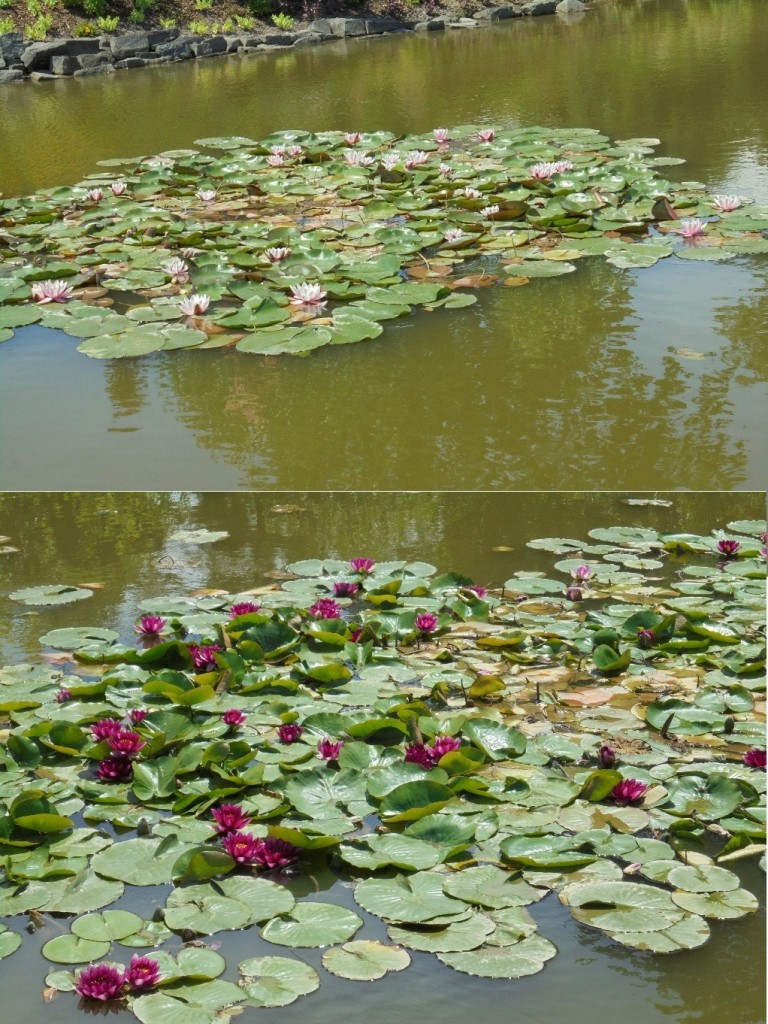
(568, 383)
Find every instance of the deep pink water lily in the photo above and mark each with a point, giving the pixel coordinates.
(138, 715)
(362, 565)
(104, 728)
(606, 756)
(646, 638)
(345, 588)
(426, 622)
(100, 981)
(243, 608)
(479, 592)
(204, 658)
(629, 791)
(115, 768)
(241, 847)
(443, 745)
(230, 818)
(233, 717)
(328, 750)
(729, 548)
(325, 608)
(754, 758)
(574, 593)
(125, 742)
(142, 973)
(581, 572)
(290, 732)
(417, 753)
(151, 625)
(275, 853)
(63, 695)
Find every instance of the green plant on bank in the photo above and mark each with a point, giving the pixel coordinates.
(168, 23)
(245, 22)
(201, 28)
(259, 7)
(5, 4)
(282, 21)
(140, 10)
(37, 8)
(203, 5)
(95, 8)
(108, 24)
(85, 29)
(216, 27)
(39, 30)
(6, 25)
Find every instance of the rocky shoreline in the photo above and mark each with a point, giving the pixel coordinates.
(21, 60)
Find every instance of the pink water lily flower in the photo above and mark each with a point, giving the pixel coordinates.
(142, 973)
(275, 160)
(390, 160)
(306, 294)
(417, 753)
(63, 695)
(446, 171)
(151, 625)
(138, 715)
(486, 135)
(606, 756)
(415, 158)
(115, 768)
(327, 750)
(101, 982)
(443, 745)
(277, 254)
(581, 572)
(453, 234)
(243, 608)
(207, 195)
(574, 593)
(561, 166)
(289, 733)
(277, 150)
(754, 758)
(325, 608)
(229, 818)
(726, 204)
(275, 853)
(691, 227)
(352, 138)
(542, 171)
(204, 658)
(125, 742)
(233, 717)
(362, 565)
(294, 150)
(629, 791)
(345, 588)
(195, 305)
(118, 188)
(178, 270)
(441, 135)
(479, 592)
(51, 291)
(729, 548)
(241, 847)
(426, 622)
(104, 728)
(357, 158)
(94, 194)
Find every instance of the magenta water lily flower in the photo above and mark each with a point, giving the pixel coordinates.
(629, 791)
(582, 572)
(289, 733)
(230, 818)
(691, 227)
(138, 715)
(325, 608)
(104, 728)
(195, 305)
(362, 565)
(94, 194)
(306, 294)
(417, 753)
(207, 195)
(118, 188)
(204, 658)
(276, 853)
(574, 593)
(357, 158)
(479, 592)
(352, 138)
(356, 634)
(125, 742)
(726, 204)
(443, 745)
(754, 758)
(606, 756)
(142, 973)
(243, 608)
(345, 588)
(646, 638)
(241, 847)
(729, 548)
(151, 625)
(426, 622)
(277, 254)
(115, 768)
(441, 135)
(486, 135)
(178, 270)
(63, 696)
(328, 750)
(233, 717)
(100, 981)
(44, 292)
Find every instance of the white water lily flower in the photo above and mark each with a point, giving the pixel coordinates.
(352, 138)
(489, 211)
(118, 187)
(306, 294)
(446, 170)
(453, 234)
(206, 194)
(441, 135)
(389, 160)
(415, 157)
(357, 158)
(178, 270)
(51, 291)
(94, 194)
(726, 204)
(195, 305)
(277, 254)
(472, 193)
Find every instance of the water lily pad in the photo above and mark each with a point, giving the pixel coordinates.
(70, 639)
(449, 938)
(109, 925)
(71, 949)
(199, 536)
(517, 961)
(690, 933)
(312, 925)
(140, 861)
(9, 942)
(277, 980)
(365, 960)
(621, 906)
(49, 594)
(721, 906)
(489, 886)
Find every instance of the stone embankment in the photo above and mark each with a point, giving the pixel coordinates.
(21, 60)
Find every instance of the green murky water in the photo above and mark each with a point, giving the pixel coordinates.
(122, 541)
(571, 382)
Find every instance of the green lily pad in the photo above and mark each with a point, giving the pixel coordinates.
(312, 925)
(404, 899)
(71, 949)
(365, 960)
(517, 961)
(277, 980)
(49, 594)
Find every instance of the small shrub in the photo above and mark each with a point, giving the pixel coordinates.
(85, 28)
(200, 28)
(246, 23)
(38, 31)
(5, 3)
(95, 8)
(203, 5)
(108, 24)
(227, 25)
(6, 25)
(167, 23)
(284, 21)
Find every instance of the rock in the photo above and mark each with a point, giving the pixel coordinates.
(64, 65)
(177, 49)
(11, 47)
(38, 55)
(251, 42)
(433, 25)
(210, 47)
(158, 36)
(128, 44)
(497, 14)
(131, 62)
(280, 38)
(463, 23)
(378, 26)
(11, 75)
(540, 7)
(44, 76)
(321, 25)
(570, 7)
(308, 38)
(345, 27)
(233, 43)
(102, 69)
(92, 60)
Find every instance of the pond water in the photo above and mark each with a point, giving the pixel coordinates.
(122, 541)
(565, 383)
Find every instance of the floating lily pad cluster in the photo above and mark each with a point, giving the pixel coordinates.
(303, 240)
(593, 734)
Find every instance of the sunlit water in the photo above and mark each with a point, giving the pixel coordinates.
(123, 541)
(572, 382)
